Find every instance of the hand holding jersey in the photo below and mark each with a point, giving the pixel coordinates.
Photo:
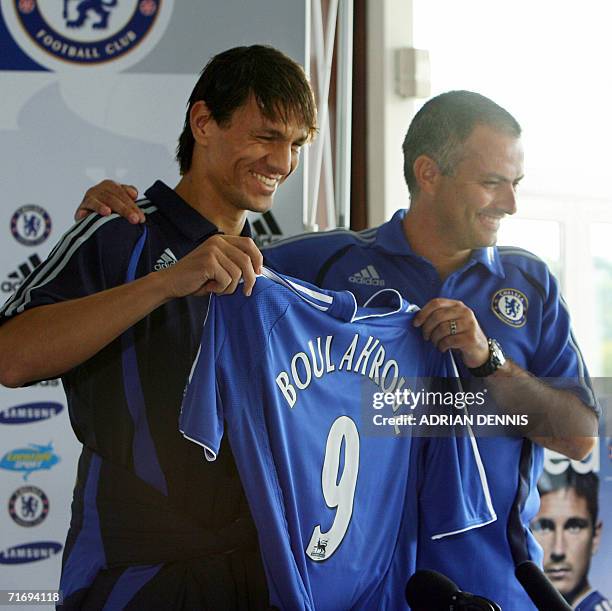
(450, 325)
(214, 267)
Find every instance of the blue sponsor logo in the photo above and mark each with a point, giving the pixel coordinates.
(26, 460)
(29, 552)
(30, 412)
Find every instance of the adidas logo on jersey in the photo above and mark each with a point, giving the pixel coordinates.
(368, 275)
(15, 279)
(166, 260)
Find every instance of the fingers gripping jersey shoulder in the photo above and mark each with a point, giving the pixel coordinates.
(81, 239)
(305, 255)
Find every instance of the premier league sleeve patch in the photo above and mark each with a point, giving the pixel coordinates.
(510, 306)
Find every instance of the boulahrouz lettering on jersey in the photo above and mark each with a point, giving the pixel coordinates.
(364, 356)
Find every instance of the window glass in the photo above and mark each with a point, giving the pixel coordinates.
(542, 238)
(601, 258)
(547, 63)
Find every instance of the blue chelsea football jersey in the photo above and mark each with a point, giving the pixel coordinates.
(289, 374)
(593, 601)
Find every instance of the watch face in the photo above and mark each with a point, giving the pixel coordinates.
(497, 354)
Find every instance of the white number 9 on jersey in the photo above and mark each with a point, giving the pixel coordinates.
(340, 495)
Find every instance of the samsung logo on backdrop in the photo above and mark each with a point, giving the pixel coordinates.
(30, 412)
(29, 552)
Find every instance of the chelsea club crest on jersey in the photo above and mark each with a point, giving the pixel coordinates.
(510, 306)
(64, 33)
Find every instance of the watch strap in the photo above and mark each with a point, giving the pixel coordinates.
(492, 364)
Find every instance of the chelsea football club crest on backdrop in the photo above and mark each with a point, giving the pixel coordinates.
(84, 32)
(510, 306)
(28, 506)
(31, 225)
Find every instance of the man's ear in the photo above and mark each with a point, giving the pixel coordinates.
(200, 119)
(427, 174)
(596, 537)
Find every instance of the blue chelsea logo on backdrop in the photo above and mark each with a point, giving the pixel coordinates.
(80, 32)
(86, 31)
(31, 225)
(28, 506)
(32, 458)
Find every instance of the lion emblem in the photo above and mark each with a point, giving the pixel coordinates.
(84, 8)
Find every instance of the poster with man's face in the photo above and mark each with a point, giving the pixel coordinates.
(570, 525)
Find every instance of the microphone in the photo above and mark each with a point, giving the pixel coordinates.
(432, 591)
(541, 591)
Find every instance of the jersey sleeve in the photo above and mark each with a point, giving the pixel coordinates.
(558, 356)
(201, 418)
(92, 256)
(228, 364)
(453, 490)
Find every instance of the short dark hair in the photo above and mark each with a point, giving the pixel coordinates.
(585, 485)
(443, 124)
(278, 84)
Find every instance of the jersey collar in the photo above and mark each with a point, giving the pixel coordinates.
(583, 598)
(390, 238)
(343, 304)
(185, 218)
(386, 302)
